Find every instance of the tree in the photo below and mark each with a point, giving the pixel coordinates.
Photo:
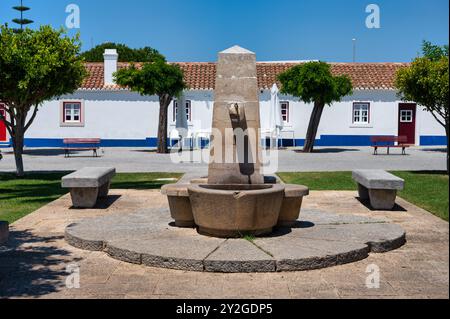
(434, 52)
(426, 83)
(21, 21)
(313, 82)
(35, 66)
(126, 54)
(157, 78)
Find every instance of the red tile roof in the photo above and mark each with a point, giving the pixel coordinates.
(202, 76)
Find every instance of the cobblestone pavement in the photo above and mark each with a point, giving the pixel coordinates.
(36, 262)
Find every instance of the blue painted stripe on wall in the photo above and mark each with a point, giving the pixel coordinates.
(335, 140)
(433, 140)
(325, 140)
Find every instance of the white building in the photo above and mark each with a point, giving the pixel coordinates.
(101, 109)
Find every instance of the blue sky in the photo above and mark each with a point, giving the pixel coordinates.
(195, 30)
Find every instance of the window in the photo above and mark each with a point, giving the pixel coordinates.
(361, 113)
(72, 112)
(188, 111)
(406, 116)
(285, 111)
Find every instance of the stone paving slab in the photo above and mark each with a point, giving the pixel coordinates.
(147, 237)
(300, 254)
(235, 255)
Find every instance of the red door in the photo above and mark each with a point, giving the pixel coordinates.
(2, 125)
(407, 121)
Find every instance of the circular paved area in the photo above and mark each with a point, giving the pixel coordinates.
(320, 240)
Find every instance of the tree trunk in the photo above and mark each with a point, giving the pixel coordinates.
(164, 102)
(313, 127)
(18, 148)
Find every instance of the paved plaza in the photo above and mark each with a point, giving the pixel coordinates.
(145, 160)
(38, 259)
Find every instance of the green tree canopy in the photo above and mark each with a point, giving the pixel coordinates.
(426, 83)
(35, 66)
(434, 52)
(313, 82)
(126, 54)
(157, 78)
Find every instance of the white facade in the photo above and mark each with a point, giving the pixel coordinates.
(123, 118)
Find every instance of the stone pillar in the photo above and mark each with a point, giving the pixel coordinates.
(235, 159)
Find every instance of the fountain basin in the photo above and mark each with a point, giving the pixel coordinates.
(292, 205)
(230, 211)
(180, 205)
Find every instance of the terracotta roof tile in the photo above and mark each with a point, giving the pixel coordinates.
(201, 76)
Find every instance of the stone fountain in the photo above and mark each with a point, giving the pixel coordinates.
(234, 200)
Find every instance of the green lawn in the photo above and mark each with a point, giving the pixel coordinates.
(428, 190)
(19, 197)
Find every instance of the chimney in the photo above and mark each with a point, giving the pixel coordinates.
(110, 65)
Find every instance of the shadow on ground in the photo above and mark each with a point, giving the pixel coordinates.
(44, 152)
(435, 150)
(366, 203)
(330, 150)
(32, 266)
(32, 187)
(102, 203)
(283, 231)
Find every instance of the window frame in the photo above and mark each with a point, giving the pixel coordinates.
(188, 109)
(359, 104)
(288, 111)
(410, 114)
(72, 123)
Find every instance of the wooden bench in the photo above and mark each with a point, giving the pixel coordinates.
(88, 184)
(81, 144)
(390, 142)
(379, 186)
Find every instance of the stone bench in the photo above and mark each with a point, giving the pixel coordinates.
(4, 232)
(180, 204)
(292, 204)
(88, 184)
(379, 186)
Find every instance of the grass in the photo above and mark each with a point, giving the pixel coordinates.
(428, 190)
(21, 196)
(249, 238)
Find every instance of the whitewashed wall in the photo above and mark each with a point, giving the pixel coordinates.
(128, 116)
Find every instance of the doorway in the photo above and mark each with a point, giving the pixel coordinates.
(407, 122)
